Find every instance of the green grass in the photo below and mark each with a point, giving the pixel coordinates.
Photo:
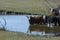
(29, 6)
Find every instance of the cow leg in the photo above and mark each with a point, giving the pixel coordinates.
(55, 20)
(55, 23)
(48, 24)
(40, 22)
(59, 22)
(44, 21)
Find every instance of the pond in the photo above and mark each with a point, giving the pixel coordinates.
(16, 23)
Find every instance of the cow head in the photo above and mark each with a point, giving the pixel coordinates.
(55, 11)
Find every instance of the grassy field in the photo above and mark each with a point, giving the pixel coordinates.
(29, 6)
(5, 35)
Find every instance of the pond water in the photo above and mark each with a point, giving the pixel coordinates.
(14, 23)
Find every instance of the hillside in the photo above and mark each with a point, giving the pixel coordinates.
(29, 6)
(5, 35)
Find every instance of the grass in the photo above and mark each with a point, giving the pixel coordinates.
(29, 6)
(5, 35)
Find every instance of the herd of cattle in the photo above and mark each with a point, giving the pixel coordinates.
(52, 21)
(49, 20)
(45, 19)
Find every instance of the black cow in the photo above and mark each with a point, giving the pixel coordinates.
(56, 15)
(56, 11)
(49, 19)
(53, 20)
(57, 20)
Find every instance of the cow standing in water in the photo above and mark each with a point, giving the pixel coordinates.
(35, 19)
(38, 19)
(56, 15)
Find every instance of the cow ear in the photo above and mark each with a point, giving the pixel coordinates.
(59, 11)
(51, 9)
